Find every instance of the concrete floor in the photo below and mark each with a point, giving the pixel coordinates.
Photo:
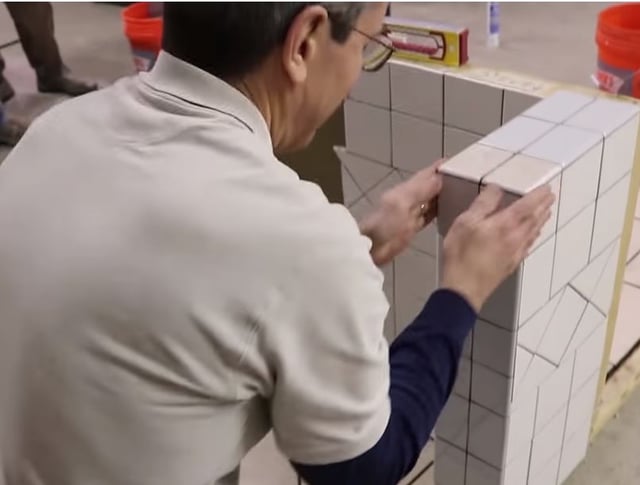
(549, 40)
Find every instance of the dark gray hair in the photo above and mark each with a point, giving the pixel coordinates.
(230, 39)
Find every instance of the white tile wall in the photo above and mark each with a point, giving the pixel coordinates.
(581, 405)
(427, 240)
(517, 134)
(265, 465)
(553, 394)
(416, 143)
(610, 211)
(472, 106)
(574, 450)
(539, 370)
(373, 88)
(585, 282)
(547, 443)
(559, 107)
(501, 308)
(536, 279)
(475, 162)
(450, 464)
(364, 173)
(617, 158)
(368, 131)
(490, 389)
(479, 473)
(417, 90)
(603, 293)
(457, 140)
(515, 103)
(520, 428)
(591, 319)
(589, 356)
(453, 423)
(487, 433)
(350, 191)
(531, 332)
(494, 347)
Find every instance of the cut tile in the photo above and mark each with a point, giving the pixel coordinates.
(487, 432)
(457, 140)
(531, 332)
(266, 456)
(610, 212)
(462, 386)
(553, 394)
(547, 443)
(589, 357)
(515, 104)
(472, 106)
(520, 429)
(572, 248)
(479, 473)
(604, 115)
(450, 464)
(373, 88)
(494, 347)
(417, 90)
(586, 281)
(574, 450)
(582, 404)
(365, 173)
(591, 319)
(522, 362)
(617, 158)
(501, 308)
(559, 107)
(455, 197)
(536, 373)
(562, 326)
(368, 131)
(517, 134)
(416, 143)
(548, 474)
(536, 279)
(603, 294)
(453, 423)
(475, 162)
(490, 389)
(427, 240)
(627, 330)
(350, 191)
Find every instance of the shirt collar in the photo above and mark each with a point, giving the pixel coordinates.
(181, 79)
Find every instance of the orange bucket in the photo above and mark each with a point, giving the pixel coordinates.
(143, 28)
(618, 39)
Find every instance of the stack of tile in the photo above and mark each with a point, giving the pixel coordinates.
(522, 405)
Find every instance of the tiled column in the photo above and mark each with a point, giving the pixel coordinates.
(521, 412)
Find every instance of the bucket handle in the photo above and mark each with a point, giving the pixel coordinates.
(611, 83)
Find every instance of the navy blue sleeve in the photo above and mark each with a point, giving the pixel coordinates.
(424, 363)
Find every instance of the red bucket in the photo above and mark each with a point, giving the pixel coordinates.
(143, 28)
(618, 39)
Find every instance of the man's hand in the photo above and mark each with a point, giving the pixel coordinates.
(402, 212)
(484, 245)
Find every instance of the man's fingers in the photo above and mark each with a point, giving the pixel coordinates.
(534, 203)
(486, 203)
(426, 184)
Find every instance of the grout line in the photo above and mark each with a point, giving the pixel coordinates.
(544, 334)
(566, 417)
(533, 433)
(555, 235)
(575, 330)
(635, 285)
(595, 211)
(10, 43)
(623, 361)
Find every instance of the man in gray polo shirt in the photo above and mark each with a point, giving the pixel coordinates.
(170, 291)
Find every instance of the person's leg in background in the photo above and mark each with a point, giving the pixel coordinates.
(35, 26)
(11, 130)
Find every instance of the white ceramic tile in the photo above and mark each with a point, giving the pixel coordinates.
(455, 197)
(517, 471)
(591, 319)
(564, 144)
(365, 173)
(417, 90)
(536, 373)
(562, 326)
(579, 184)
(501, 308)
(531, 332)
(515, 104)
(424, 460)
(618, 155)
(350, 191)
(589, 356)
(548, 474)
(604, 115)
(361, 208)
(517, 134)
(603, 293)
(416, 143)
(574, 450)
(450, 464)
(462, 386)
(523, 174)
(522, 362)
(373, 88)
(415, 280)
(627, 330)
(265, 465)
(407, 309)
(475, 162)
(547, 443)
(559, 107)
(536, 279)
(494, 347)
(479, 473)
(368, 131)
(582, 404)
(387, 183)
(520, 428)
(585, 282)
(572, 248)
(487, 433)
(453, 423)
(472, 106)
(553, 394)
(457, 140)
(610, 211)
(427, 239)
(490, 389)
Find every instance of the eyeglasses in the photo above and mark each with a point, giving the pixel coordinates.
(377, 52)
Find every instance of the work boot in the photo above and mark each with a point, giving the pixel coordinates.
(11, 131)
(6, 90)
(65, 84)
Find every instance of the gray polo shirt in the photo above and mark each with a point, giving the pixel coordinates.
(169, 291)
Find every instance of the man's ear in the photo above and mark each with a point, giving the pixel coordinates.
(302, 41)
